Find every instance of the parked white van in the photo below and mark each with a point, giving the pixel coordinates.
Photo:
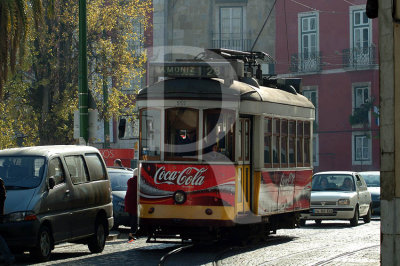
(55, 194)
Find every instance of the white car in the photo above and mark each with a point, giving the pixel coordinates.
(338, 195)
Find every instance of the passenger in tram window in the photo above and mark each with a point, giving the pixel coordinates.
(213, 153)
(186, 137)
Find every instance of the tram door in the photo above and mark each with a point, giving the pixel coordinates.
(243, 170)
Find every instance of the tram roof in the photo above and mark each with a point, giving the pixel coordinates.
(215, 90)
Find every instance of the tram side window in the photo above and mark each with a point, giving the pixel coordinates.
(292, 144)
(284, 137)
(307, 153)
(299, 145)
(150, 135)
(181, 133)
(267, 142)
(218, 134)
(276, 142)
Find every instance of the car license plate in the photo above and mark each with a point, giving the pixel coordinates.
(323, 210)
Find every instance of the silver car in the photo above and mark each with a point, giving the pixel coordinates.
(339, 195)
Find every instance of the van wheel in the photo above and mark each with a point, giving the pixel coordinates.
(44, 244)
(98, 240)
(367, 218)
(354, 220)
(302, 222)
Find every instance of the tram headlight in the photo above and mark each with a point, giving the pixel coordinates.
(180, 197)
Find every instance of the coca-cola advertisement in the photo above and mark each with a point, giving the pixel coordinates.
(282, 191)
(204, 185)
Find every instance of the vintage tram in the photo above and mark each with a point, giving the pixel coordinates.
(222, 151)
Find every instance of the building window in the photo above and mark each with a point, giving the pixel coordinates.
(361, 104)
(308, 58)
(361, 50)
(311, 94)
(230, 33)
(361, 148)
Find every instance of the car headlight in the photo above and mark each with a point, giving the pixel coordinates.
(20, 216)
(180, 197)
(344, 202)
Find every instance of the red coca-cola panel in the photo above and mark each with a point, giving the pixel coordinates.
(204, 185)
(284, 191)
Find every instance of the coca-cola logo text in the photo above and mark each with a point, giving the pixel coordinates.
(287, 180)
(189, 176)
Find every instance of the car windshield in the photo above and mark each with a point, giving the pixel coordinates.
(21, 172)
(119, 180)
(372, 180)
(333, 182)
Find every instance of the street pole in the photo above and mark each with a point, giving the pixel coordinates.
(389, 51)
(106, 121)
(83, 83)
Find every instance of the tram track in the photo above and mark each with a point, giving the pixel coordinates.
(274, 240)
(322, 262)
(172, 252)
(344, 254)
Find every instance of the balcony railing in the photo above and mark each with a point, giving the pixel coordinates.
(233, 41)
(306, 62)
(359, 57)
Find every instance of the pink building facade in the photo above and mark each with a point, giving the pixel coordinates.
(333, 47)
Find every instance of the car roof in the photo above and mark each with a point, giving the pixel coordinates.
(336, 173)
(118, 169)
(370, 172)
(47, 150)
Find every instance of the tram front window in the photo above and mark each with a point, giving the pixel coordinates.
(181, 133)
(218, 135)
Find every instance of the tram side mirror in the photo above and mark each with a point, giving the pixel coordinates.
(52, 182)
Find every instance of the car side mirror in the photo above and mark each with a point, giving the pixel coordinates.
(52, 182)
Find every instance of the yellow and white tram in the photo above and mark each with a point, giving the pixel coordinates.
(222, 150)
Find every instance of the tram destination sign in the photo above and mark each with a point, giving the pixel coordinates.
(192, 69)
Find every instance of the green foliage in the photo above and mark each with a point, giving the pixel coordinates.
(18, 123)
(40, 98)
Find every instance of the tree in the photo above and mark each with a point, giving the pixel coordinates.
(13, 27)
(50, 76)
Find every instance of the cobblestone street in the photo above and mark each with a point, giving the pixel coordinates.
(332, 243)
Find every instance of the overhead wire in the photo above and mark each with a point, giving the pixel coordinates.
(322, 11)
(262, 28)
